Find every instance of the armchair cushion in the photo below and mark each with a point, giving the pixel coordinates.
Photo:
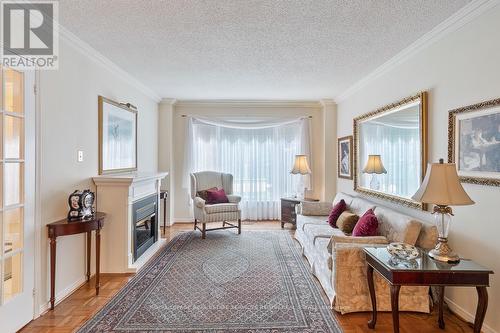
(216, 196)
(221, 208)
(204, 193)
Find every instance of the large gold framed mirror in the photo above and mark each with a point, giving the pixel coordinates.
(390, 150)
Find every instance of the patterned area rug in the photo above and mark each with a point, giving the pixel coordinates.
(257, 282)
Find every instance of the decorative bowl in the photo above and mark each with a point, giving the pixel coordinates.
(403, 251)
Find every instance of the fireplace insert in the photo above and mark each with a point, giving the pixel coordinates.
(145, 228)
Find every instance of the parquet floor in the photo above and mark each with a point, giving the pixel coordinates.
(83, 304)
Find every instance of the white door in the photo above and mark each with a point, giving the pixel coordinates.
(17, 179)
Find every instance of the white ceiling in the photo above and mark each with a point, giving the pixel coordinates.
(247, 49)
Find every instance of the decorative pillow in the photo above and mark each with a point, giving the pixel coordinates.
(216, 196)
(204, 193)
(335, 213)
(347, 221)
(367, 225)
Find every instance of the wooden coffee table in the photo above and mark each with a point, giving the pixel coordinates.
(425, 271)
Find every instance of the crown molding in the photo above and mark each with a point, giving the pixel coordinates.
(105, 62)
(168, 101)
(453, 23)
(249, 103)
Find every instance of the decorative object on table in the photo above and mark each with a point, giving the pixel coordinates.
(398, 262)
(344, 158)
(117, 137)
(301, 166)
(81, 205)
(398, 132)
(66, 228)
(374, 167)
(403, 251)
(441, 187)
(474, 142)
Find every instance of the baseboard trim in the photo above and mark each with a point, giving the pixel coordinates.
(183, 220)
(63, 294)
(465, 315)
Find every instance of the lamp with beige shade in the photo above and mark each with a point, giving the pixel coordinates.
(301, 166)
(374, 167)
(442, 187)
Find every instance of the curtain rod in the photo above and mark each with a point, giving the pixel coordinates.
(188, 115)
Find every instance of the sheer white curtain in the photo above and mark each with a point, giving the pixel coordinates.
(259, 153)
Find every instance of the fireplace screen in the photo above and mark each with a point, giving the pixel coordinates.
(145, 224)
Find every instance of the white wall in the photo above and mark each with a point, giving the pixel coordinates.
(181, 210)
(460, 69)
(68, 107)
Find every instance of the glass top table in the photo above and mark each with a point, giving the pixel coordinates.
(425, 271)
(423, 263)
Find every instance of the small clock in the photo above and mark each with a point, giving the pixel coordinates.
(81, 205)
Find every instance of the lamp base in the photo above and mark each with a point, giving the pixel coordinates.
(443, 252)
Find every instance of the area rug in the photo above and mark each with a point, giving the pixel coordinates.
(253, 282)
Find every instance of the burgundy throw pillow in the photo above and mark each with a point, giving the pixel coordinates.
(367, 225)
(335, 213)
(216, 196)
(204, 193)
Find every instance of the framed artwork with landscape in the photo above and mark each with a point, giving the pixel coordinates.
(344, 157)
(474, 142)
(117, 137)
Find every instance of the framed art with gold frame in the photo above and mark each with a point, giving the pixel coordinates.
(395, 137)
(474, 142)
(117, 137)
(344, 157)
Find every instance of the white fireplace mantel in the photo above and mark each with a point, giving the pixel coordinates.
(115, 196)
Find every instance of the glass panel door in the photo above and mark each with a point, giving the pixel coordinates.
(12, 163)
(16, 200)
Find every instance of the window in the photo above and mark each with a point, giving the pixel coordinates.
(260, 160)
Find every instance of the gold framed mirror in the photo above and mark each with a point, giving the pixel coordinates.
(390, 150)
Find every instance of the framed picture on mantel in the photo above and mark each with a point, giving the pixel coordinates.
(117, 137)
(474, 142)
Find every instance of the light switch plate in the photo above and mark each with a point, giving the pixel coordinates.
(80, 156)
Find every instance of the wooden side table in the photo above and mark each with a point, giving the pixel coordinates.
(425, 271)
(164, 197)
(65, 228)
(288, 214)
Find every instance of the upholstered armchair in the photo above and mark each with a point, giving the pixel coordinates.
(211, 213)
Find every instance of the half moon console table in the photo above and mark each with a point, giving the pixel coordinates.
(66, 228)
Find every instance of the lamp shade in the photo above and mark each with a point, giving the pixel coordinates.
(374, 165)
(441, 186)
(301, 166)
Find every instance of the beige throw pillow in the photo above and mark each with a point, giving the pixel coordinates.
(347, 221)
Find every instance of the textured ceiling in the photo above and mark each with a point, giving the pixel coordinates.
(245, 49)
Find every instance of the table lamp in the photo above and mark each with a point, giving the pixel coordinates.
(374, 167)
(301, 167)
(442, 187)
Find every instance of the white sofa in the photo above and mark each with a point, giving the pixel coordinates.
(338, 260)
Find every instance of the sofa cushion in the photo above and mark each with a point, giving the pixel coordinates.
(315, 231)
(367, 225)
(397, 227)
(335, 213)
(312, 208)
(341, 195)
(347, 221)
(221, 208)
(359, 206)
(303, 220)
(428, 236)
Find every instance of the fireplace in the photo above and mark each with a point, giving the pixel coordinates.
(144, 224)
